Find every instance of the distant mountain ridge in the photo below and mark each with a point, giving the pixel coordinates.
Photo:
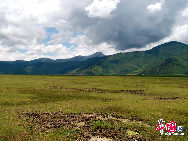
(76, 58)
(166, 59)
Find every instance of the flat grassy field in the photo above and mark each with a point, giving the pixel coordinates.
(86, 107)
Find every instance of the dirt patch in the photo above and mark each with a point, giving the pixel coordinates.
(165, 98)
(183, 86)
(99, 90)
(89, 126)
(97, 138)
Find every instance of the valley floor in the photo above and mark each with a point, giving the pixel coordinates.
(87, 107)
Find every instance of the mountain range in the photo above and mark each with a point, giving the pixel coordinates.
(167, 59)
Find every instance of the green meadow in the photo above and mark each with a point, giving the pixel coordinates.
(138, 100)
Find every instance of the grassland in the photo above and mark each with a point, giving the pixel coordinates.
(140, 100)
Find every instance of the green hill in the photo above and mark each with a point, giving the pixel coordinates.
(42, 67)
(134, 63)
(168, 66)
(169, 58)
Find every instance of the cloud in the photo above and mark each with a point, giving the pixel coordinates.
(131, 25)
(179, 33)
(109, 26)
(155, 7)
(86, 47)
(185, 12)
(101, 8)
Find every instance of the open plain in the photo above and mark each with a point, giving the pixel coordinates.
(91, 107)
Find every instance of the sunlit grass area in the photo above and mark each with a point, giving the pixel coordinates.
(140, 100)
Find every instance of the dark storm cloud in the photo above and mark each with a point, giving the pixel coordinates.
(132, 25)
(108, 26)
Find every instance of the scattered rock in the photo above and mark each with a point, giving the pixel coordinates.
(80, 124)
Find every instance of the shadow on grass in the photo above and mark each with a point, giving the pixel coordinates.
(46, 96)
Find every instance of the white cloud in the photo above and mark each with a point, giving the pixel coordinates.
(85, 46)
(179, 33)
(118, 26)
(185, 12)
(101, 8)
(155, 7)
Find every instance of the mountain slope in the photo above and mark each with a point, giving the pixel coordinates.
(168, 66)
(134, 62)
(169, 58)
(42, 68)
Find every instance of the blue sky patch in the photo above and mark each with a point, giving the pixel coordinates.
(68, 44)
(75, 34)
(50, 31)
(22, 50)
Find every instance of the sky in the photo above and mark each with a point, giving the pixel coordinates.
(58, 29)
